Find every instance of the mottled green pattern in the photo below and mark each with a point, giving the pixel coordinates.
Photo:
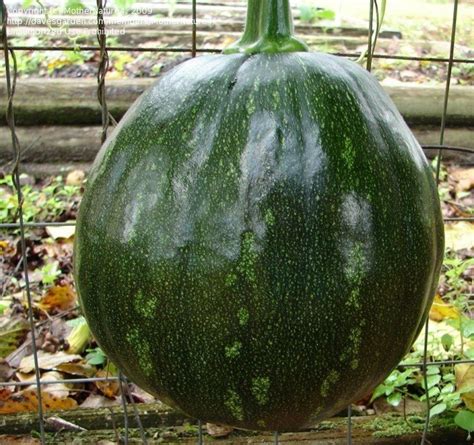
(260, 239)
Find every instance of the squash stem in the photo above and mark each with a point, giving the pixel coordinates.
(251, 33)
(269, 29)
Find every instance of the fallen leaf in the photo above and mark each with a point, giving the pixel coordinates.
(81, 369)
(59, 298)
(75, 177)
(27, 400)
(441, 310)
(140, 395)
(109, 388)
(59, 390)
(18, 440)
(25, 349)
(5, 393)
(464, 178)
(12, 330)
(6, 248)
(79, 337)
(99, 401)
(61, 232)
(465, 383)
(216, 430)
(58, 424)
(47, 361)
(459, 235)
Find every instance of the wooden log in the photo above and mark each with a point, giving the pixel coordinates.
(74, 101)
(169, 426)
(182, 37)
(49, 151)
(32, 24)
(76, 144)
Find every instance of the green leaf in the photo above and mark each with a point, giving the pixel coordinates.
(124, 4)
(449, 377)
(74, 4)
(447, 389)
(437, 409)
(433, 392)
(447, 341)
(394, 399)
(469, 353)
(75, 321)
(96, 357)
(311, 14)
(431, 381)
(465, 420)
(432, 370)
(468, 327)
(379, 391)
(326, 14)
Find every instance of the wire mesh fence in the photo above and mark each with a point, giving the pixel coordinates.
(103, 49)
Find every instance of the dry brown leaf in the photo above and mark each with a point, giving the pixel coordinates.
(6, 248)
(75, 177)
(18, 440)
(441, 310)
(60, 249)
(464, 178)
(27, 400)
(6, 371)
(215, 430)
(12, 330)
(47, 361)
(465, 382)
(59, 298)
(59, 424)
(459, 235)
(59, 390)
(60, 232)
(80, 368)
(5, 393)
(140, 395)
(99, 401)
(108, 388)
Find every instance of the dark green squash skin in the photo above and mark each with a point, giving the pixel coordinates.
(260, 239)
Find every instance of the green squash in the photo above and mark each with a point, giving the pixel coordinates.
(261, 237)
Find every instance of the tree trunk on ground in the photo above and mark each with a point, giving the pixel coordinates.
(168, 426)
(74, 101)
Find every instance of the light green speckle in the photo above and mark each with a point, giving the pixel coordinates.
(142, 350)
(353, 300)
(269, 218)
(332, 378)
(234, 403)
(230, 279)
(234, 350)
(145, 305)
(243, 316)
(260, 387)
(348, 154)
(250, 105)
(354, 272)
(248, 257)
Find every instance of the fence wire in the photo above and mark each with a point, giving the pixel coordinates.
(103, 65)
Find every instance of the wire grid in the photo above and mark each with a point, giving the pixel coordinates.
(107, 119)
